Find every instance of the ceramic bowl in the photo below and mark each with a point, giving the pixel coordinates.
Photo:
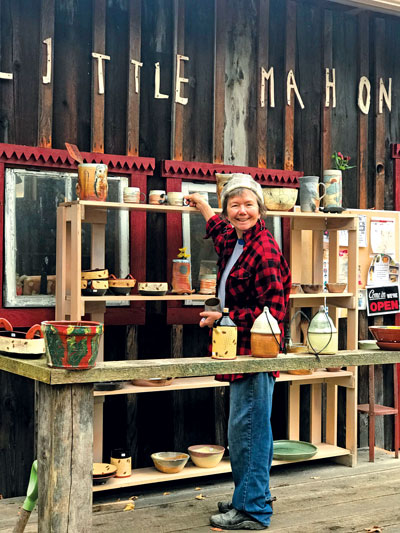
(311, 289)
(386, 333)
(170, 462)
(119, 286)
(279, 198)
(152, 288)
(295, 288)
(94, 287)
(336, 287)
(96, 273)
(103, 469)
(205, 455)
(367, 345)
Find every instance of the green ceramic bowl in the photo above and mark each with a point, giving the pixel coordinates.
(292, 450)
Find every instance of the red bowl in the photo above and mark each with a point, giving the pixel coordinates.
(386, 333)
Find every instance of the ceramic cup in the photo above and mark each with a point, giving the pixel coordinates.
(120, 459)
(213, 304)
(157, 197)
(133, 195)
(333, 183)
(176, 198)
(92, 182)
(309, 193)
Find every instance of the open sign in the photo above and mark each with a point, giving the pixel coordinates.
(382, 300)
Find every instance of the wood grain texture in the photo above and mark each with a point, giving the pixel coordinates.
(262, 61)
(98, 100)
(290, 64)
(178, 110)
(219, 81)
(133, 104)
(380, 134)
(65, 440)
(363, 62)
(326, 115)
(45, 123)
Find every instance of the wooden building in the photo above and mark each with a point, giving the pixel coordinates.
(181, 85)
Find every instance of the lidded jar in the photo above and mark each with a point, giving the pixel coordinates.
(265, 335)
(322, 334)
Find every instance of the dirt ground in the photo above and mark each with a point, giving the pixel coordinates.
(312, 497)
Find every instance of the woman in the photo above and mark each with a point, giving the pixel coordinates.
(252, 273)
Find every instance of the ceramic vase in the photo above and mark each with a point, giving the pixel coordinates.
(333, 184)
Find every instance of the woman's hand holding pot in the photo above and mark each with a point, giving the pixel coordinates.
(208, 318)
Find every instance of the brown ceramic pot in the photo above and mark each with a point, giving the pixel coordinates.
(264, 345)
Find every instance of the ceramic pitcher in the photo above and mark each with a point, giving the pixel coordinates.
(309, 193)
(92, 182)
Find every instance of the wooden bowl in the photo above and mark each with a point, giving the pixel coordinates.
(336, 287)
(311, 289)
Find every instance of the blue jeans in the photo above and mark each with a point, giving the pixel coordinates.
(251, 444)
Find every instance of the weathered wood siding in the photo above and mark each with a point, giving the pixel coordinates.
(227, 43)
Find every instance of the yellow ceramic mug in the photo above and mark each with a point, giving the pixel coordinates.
(92, 182)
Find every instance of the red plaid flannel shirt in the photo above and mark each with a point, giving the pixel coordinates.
(260, 277)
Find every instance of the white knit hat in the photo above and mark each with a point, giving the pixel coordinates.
(242, 181)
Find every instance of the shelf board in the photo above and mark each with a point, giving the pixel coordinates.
(206, 382)
(144, 476)
(149, 208)
(302, 295)
(140, 298)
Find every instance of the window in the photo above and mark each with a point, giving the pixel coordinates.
(31, 200)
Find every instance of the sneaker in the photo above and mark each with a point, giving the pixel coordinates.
(224, 507)
(235, 519)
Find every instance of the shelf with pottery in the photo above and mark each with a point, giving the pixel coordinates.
(307, 243)
(341, 377)
(144, 476)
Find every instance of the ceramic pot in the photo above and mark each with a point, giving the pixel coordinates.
(322, 336)
(309, 193)
(72, 345)
(181, 283)
(122, 461)
(333, 184)
(92, 182)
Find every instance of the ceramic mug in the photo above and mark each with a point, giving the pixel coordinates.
(176, 198)
(92, 182)
(133, 195)
(157, 197)
(122, 461)
(309, 193)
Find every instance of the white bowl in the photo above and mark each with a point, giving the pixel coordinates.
(152, 288)
(279, 198)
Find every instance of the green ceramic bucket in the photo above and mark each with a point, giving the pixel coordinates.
(72, 345)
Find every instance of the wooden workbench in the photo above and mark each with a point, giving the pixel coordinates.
(65, 417)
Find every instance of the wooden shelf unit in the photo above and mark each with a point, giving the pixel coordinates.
(70, 304)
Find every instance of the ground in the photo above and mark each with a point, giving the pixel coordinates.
(312, 497)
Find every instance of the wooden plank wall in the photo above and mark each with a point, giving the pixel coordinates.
(227, 43)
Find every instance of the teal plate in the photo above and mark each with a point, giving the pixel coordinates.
(292, 450)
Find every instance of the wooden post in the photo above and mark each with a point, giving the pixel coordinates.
(46, 74)
(177, 109)
(133, 105)
(262, 113)
(290, 64)
(65, 458)
(219, 81)
(326, 129)
(363, 66)
(177, 402)
(99, 46)
(380, 149)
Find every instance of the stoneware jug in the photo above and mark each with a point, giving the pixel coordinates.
(265, 335)
(322, 335)
(309, 193)
(333, 185)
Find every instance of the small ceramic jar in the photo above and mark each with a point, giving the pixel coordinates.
(120, 459)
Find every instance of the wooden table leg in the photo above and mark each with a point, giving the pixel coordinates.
(65, 457)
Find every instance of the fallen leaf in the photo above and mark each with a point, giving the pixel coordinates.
(197, 488)
(374, 529)
(216, 529)
(129, 506)
(133, 498)
(166, 493)
(200, 497)
(315, 477)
